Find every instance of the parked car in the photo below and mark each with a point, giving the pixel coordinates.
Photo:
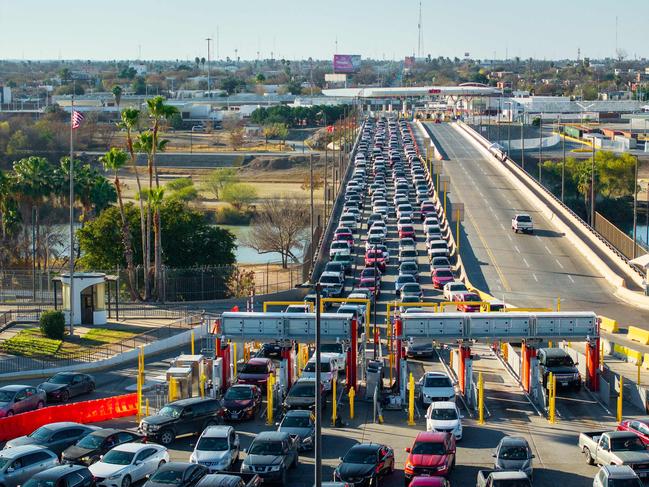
(88, 449)
(62, 386)
(128, 463)
(19, 464)
(177, 474)
(615, 448)
(431, 454)
(637, 426)
(301, 425)
(429, 481)
(186, 416)
(241, 402)
(62, 476)
(16, 399)
(514, 453)
(364, 464)
(444, 416)
(55, 437)
(217, 448)
(616, 476)
(256, 371)
(270, 456)
(436, 386)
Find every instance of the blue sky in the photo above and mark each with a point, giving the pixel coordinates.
(163, 29)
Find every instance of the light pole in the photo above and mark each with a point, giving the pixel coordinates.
(592, 188)
(563, 168)
(318, 391)
(523, 140)
(209, 93)
(635, 207)
(540, 145)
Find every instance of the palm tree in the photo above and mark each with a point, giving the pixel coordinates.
(158, 111)
(117, 94)
(197, 60)
(114, 160)
(155, 197)
(130, 120)
(8, 214)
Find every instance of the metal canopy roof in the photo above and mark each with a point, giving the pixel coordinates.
(415, 91)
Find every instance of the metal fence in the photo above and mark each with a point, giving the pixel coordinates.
(617, 238)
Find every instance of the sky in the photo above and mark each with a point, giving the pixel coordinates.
(292, 29)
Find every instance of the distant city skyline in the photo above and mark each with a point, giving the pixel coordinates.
(377, 29)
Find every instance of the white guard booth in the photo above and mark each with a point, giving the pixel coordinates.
(89, 298)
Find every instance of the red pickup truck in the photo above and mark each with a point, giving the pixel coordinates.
(432, 454)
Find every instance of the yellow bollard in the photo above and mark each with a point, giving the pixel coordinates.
(334, 401)
(201, 384)
(480, 399)
(551, 392)
(549, 343)
(351, 395)
(411, 401)
(620, 400)
(558, 303)
(192, 341)
(172, 389)
(147, 406)
(234, 359)
(269, 399)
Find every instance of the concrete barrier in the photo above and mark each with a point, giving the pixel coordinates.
(638, 335)
(558, 216)
(608, 325)
(436, 152)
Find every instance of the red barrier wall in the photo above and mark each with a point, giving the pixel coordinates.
(81, 412)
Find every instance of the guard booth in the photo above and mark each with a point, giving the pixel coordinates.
(180, 382)
(200, 371)
(90, 292)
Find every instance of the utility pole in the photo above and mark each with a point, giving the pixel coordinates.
(312, 209)
(563, 169)
(209, 93)
(540, 145)
(523, 142)
(592, 188)
(318, 391)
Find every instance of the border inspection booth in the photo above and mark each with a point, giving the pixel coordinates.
(90, 290)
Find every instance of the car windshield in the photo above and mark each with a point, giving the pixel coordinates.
(627, 444)
(374, 254)
(256, 368)
(168, 476)
(303, 390)
(457, 287)
(118, 457)
(324, 367)
(513, 453)
(238, 393)
(443, 414)
(4, 461)
(210, 443)
(562, 361)
(296, 422)
(341, 258)
(523, 218)
(428, 448)
(330, 280)
(411, 287)
(39, 483)
(90, 441)
(360, 455)
(408, 253)
(443, 273)
(437, 382)
(620, 483)
(340, 245)
(171, 411)
(266, 448)
(407, 278)
(7, 396)
(408, 266)
(41, 433)
(60, 379)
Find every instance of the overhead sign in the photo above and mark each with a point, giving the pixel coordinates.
(347, 63)
(434, 91)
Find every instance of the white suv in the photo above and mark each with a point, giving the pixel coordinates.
(436, 386)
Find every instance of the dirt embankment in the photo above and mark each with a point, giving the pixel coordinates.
(275, 163)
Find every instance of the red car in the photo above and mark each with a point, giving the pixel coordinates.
(375, 255)
(427, 209)
(406, 231)
(346, 236)
(372, 284)
(429, 482)
(432, 454)
(640, 428)
(256, 372)
(441, 277)
(467, 308)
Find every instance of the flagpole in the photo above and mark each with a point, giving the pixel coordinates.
(71, 287)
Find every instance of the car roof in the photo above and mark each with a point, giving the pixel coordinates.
(272, 436)
(298, 412)
(554, 352)
(620, 471)
(58, 471)
(17, 451)
(63, 424)
(175, 466)
(514, 441)
(264, 360)
(435, 374)
(217, 431)
(132, 447)
(366, 446)
(191, 400)
(13, 387)
(443, 405)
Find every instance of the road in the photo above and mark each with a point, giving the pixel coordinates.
(526, 270)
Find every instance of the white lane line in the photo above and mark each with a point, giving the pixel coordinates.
(517, 249)
(538, 237)
(560, 264)
(503, 227)
(549, 251)
(535, 278)
(571, 279)
(524, 260)
(510, 238)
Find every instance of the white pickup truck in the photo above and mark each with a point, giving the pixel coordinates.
(615, 448)
(522, 222)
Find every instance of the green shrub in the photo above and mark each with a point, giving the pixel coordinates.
(52, 324)
(231, 216)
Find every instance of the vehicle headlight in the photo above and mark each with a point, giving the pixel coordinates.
(245, 467)
(192, 458)
(114, 477)
(307, 440)
(275, 468)
(85, 459)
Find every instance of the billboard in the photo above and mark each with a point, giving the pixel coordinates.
(347, 63)
(335, 78)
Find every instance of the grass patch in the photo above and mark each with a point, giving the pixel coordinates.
(31, 343)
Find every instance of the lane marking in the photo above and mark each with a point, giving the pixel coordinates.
(517, 249)
(535, 278)
(571, 279)
(525, 260)
(503, 280)
(549, 251)
(560, 264)
(510, 238)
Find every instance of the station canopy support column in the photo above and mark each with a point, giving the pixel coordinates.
(528, 352)
(592, 364)
(464, 357)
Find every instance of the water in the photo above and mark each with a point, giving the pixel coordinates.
(642, 234)
(248, 255)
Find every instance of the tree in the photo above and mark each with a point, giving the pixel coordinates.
(139, 86)
(191, 240)
(279, 227)
(260, 78)
(182, 189)
(218, 179)
(203, 62)
(239, 194)
(114, 160)
(117, 94)
(318, 182)
(156, 195)
(241, 283)
(197, 60)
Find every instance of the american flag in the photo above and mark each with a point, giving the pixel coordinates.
(77, 118)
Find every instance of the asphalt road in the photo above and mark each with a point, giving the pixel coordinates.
(526, 270)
